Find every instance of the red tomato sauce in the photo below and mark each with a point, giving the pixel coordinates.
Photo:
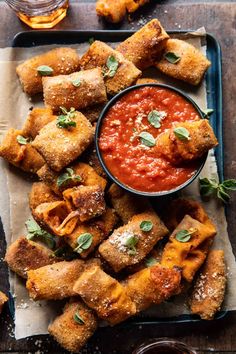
(138, 166)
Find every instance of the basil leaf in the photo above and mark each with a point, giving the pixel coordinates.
(154, 118)
(78, 319)
(207, 112)
(183, 235)
(21, 140)
(130, 243)
(91, 40)
(182, 133)
(172, 58)
(229, 184)
(36, 232)
(76, 82)
(221, 194)
(44, 70)
(207, 186)
(150, 262)
(112, 65)
(65, 120)
(84, 241)
(147, 139)
(146, 225)
(67, 177)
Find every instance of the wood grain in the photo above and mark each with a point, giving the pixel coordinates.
(219, 18)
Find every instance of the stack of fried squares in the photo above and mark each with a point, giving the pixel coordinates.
(104, 254)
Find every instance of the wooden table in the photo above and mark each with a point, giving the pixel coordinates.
(219, 18)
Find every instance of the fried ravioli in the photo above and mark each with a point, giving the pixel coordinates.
(36, 120)
(3, 299)
(111, 10)
(41, 193)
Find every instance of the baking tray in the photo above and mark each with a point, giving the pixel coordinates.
(214, 101)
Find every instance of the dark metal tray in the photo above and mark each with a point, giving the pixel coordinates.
(214, 101)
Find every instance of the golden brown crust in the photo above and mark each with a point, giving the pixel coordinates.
(202, 139)
(61, 146)
(112, 10)
(133, 5)
(23, 255)
(146, 80)
(71, 335)
(105, 295)
(41, 193)
(126, 204)
(87, 200)
(188, 255)
(59, 91)
(61, 60)
(90, 157)
(209, 289)
(99, 228)
(36, 120)
(3, 299)
(144, 46)
(93, 113)
(178, 208)
(192, 65)
(23, 156)
(114, 249)
(97, 56)
(89, 177)
(152, 285)
(54, 282)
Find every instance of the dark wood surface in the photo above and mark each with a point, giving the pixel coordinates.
(219, 18)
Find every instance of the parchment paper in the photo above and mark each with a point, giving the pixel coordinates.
(32, 318)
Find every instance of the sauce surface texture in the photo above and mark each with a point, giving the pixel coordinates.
(133, 163)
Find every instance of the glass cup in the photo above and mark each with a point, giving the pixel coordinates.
(40, 13)
(164, 346)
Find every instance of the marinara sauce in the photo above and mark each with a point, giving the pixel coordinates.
(133, 163)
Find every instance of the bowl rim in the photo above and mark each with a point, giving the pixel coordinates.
(127, 188)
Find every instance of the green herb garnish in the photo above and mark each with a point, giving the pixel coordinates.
(207, 112)
(130, 243)
(147, 139)
(76, 82)
(44, 70)
(67, 177)
(154, 118)
(112, 66)
(182, 133)
(65, 252)
(78, 319)
(210, 187)
(65, 120)
(36, 232)
(146, 225)
(184, 235)
(91, 40)
(84, 241)
(172, 58)
(21, 140)
(150, 261)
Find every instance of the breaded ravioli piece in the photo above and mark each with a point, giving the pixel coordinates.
(22, 155)
(60, 146)
(92, 113)
(74, 326)
(146, 80)
(3, 300)
(111, 10)
(36, 120)
(130, 243)
(209, 289)
(144, 46)
(105, 295)
(24, 255)
(152, 285)
(59, 60)
(190, 67)
(55, 281)
(200, 140)
(88, 201)
(133, 5)
(41, 193)
(83, 174)
(79, 90)
(100, 55)
(126, 204)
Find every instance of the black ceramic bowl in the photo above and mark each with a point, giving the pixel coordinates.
(111, 176)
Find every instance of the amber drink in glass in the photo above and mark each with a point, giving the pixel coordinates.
(40, 13)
